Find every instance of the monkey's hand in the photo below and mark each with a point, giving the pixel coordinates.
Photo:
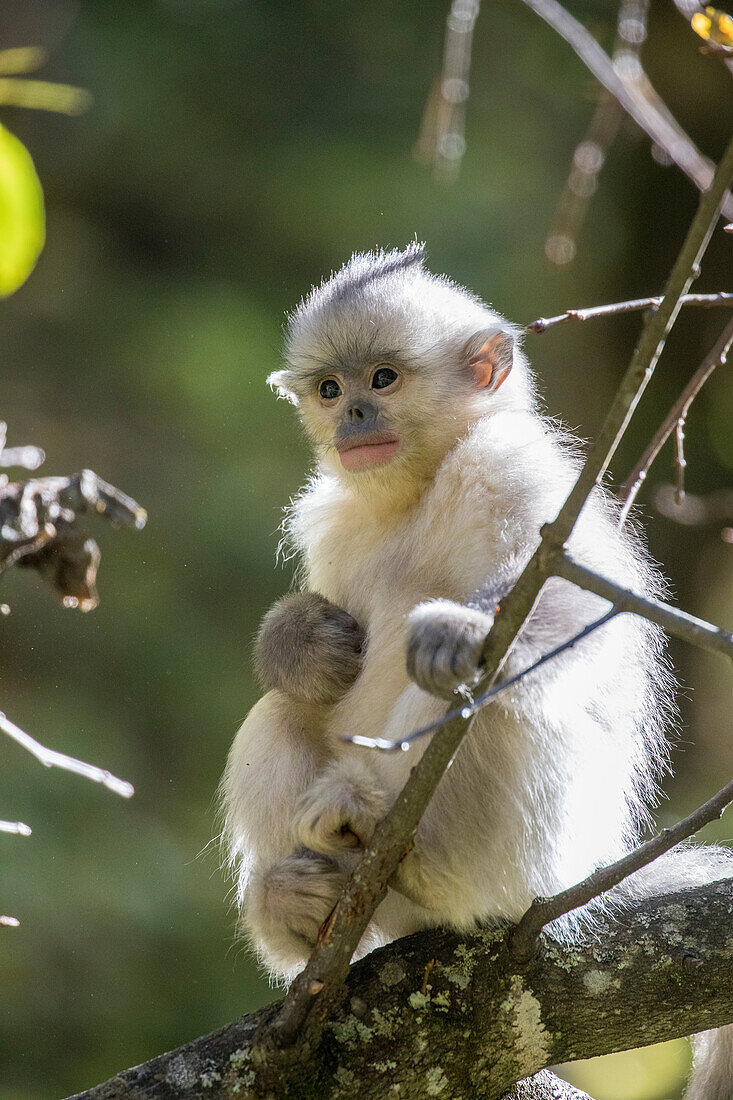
(339, 810)
(308, 648)
(444, 643)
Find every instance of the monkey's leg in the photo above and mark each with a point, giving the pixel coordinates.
(285, 906)
(309, 648)
(277, 753)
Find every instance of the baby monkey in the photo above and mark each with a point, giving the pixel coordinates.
(435, 471)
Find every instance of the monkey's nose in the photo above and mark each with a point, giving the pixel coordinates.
(355, 414)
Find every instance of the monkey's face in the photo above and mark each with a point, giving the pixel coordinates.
(386, 422)
(379, 423)
(358, 412)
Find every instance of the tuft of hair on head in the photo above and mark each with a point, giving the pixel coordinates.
(385, 304)
(363, 268)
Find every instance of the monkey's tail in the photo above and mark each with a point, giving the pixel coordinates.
(686, 866)
(712, 1065)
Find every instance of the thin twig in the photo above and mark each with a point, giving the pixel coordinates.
(676, 416)
(646, 108)
(18, 828)
(590, 153)
(442, 133)
(649, 348)
(634, 305)
(523, 941)
(52, 759)
(695, 631)
(469, 709)
(29, 457)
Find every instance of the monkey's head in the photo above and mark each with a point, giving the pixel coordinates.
(389, 365)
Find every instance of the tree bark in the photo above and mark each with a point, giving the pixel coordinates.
(454, 1016)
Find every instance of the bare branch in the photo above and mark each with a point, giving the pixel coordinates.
(590, 154)
(634, 305)
(303, 1015)
(15, 827)
(524, 938)
(646, 108)
(695, 631)
(442, 140)
(38, 530)
(52, 759)
(675, 417)
(28, 457)
(649, 348)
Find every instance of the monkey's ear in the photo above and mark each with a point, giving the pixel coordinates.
(281, 382)
(491, 364)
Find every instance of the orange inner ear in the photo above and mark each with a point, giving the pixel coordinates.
(492, 363)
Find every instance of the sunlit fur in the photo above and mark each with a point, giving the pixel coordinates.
(555, 778)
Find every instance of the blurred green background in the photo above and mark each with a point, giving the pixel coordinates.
(236, 152)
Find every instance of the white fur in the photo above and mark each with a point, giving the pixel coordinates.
(555, 778)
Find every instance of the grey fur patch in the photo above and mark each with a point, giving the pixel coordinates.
(309, 648)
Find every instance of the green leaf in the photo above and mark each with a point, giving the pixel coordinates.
(22, 218)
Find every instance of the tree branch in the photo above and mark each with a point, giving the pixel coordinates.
(645, 107)
(591, 152)
(634, 305)
(38, 530)
(676, 416)
(697, 632)
(18, 828)
(52, 759)
(439, 1014)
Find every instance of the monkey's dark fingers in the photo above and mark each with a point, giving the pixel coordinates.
(444, 644)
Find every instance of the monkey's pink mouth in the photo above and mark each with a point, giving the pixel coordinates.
(368, 451)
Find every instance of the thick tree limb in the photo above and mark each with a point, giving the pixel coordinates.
(455, 1016)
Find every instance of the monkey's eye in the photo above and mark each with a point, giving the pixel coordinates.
(329, 389)
(383, 378)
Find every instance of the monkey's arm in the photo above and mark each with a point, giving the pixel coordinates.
(308, 648)
(445, 638)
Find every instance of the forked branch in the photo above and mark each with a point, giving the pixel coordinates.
(675, 418)
(634, 305)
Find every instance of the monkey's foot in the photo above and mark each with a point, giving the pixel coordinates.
(286, 904)
(444, 644)
(338, 811)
